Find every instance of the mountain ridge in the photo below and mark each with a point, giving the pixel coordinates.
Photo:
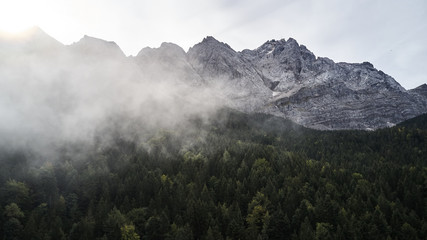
(280, 77)
(317, 92)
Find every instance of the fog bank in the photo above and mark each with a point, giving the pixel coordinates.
(51, 94)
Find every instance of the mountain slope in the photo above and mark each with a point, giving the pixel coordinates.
(281, 77)
(421, 90)
(236, 78)
(168, 63)
(319, 93)
(285, 79)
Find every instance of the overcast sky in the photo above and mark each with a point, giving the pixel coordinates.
(391, 34)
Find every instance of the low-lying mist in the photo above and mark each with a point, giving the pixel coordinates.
(54, 96)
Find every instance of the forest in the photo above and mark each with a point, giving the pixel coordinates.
(236, 176)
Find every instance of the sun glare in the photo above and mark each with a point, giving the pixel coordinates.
(18, 16)
(15, 27)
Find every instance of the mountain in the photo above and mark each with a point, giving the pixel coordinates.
(168, 63)
(421, 90)
(286, 79)
(34, 41)
(97, 145)
(237, 79)
(319, 93)
(281, 77)
(95, 46)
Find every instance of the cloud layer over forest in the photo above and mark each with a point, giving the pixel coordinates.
(51, 94)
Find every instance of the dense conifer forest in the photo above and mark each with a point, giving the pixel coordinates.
(236, 176)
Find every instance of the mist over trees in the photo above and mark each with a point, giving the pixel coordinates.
(241, 177)
(52, 94)
(92, 146)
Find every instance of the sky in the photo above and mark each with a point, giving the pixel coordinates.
(391, 34)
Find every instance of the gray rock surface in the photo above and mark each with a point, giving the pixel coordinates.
(168, 63)
(421, 90)
(281, 77)
(226, 70)
(97, 47)
(313, 91)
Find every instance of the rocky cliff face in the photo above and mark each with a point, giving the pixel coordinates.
(313, 91)
(167, 64)
(280, 77)
(420, 90)
(235, 77)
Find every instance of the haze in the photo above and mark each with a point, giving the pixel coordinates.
(51, 95)
(389, 34)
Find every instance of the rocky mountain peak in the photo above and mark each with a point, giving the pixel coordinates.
(281, 77)
(292, 42)
(213, 41)
(166, 51)
(172, 50)
(367, 65)
(209, 39)
(210, 44)
(215, 57)
(283, 64)
(422, 87)
(167, 63)
(95, 46)
(171, 47)
(282, 50)
(421, 90)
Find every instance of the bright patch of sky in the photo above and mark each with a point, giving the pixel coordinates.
(391, 34)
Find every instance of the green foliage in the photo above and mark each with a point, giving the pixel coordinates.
(114, 223)
(13, 211)
(12, 229)
(128, 232)
(15, 191)
(323, 231)
(236, 176)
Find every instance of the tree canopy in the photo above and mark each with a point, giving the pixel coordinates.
(238, 177)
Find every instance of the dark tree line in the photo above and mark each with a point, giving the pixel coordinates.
(241, 177)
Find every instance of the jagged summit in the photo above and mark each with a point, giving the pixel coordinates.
(281, 50)
(313, 91)
(171, 46)
(166, 48)
(421, 90)
(167, 63)
(280, 77)
(92, 45)
(209, 39)
(214, 57)
(421, 87)
(211, 42)
(220, 65)
(269, 46)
